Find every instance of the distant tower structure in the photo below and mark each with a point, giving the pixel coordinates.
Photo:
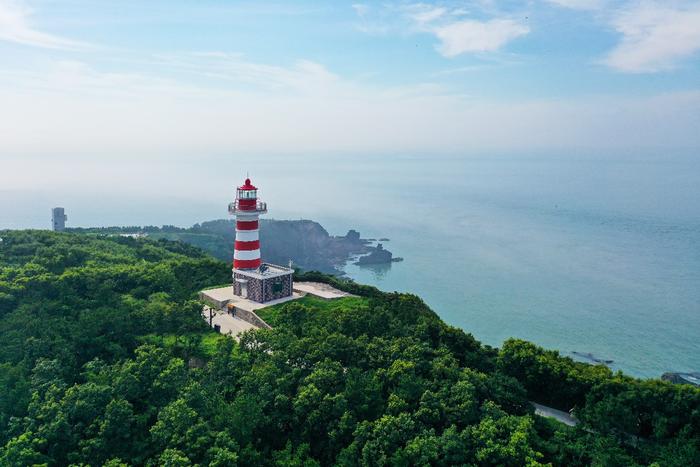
(58, 219)
(253, 279)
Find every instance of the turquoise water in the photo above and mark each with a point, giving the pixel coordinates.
(587, 256)
(596, 255)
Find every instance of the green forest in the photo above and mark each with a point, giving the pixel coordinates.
(105, 360)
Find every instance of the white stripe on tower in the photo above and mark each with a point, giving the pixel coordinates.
(247, 235)
(246, 254)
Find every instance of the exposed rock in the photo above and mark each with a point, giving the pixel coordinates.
(353, 236)
(592, 358)
(378, 256)
(682, 378)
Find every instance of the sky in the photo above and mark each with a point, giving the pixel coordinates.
(114, 91)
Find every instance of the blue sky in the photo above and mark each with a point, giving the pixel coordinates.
(103, 82)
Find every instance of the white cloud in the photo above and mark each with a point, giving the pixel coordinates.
(423, 14)
(579, 4)
(459, 35)
(476, 36)
(655, 36)
(74, 109)
(459, 30)
(361, 9)
(15, 26)
(303, 76)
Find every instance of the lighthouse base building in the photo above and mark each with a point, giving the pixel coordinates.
(268, 282)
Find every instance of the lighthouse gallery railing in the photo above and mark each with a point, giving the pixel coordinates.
(235, 207)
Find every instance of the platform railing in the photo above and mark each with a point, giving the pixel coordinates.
(235, 207)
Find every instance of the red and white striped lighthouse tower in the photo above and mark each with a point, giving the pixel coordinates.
(247, 208)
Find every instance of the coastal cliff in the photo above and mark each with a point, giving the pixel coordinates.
(306, 243)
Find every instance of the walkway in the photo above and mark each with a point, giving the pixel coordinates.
(559, 415)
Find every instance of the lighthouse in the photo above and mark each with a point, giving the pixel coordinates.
(247, 209)
(252, 278)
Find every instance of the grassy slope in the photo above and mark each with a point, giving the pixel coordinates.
(327, 308)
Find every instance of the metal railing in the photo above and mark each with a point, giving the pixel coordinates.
(235, 207)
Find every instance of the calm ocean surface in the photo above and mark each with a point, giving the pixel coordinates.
(588, 254)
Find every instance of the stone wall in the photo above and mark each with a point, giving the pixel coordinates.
(211, 301)
(248, 316)
(265, 290)
(275, 288)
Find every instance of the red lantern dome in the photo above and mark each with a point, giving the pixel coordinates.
(247, 185)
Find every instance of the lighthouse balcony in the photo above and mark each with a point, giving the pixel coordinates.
(238, 208)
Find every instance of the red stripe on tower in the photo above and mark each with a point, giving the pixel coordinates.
(247, 246)
(246, 263)
(247, 225)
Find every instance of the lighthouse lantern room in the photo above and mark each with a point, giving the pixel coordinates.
(253, 279)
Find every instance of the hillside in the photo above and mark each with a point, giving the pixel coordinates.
(105, 360)
(305, 242)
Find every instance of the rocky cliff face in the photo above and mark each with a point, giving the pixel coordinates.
(305, 242)
(682, 378)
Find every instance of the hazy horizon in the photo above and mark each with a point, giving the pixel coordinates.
(125, 93)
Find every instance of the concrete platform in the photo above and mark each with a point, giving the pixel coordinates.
(320, 290)
(222, 297)
(230, 325)
(235, 315)
(218, 298)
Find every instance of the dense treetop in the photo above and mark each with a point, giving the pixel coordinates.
(105, 360)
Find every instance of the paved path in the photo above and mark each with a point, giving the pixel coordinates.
(544, 411)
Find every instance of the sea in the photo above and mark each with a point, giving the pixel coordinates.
(593, 254)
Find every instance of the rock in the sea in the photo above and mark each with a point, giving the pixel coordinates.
(592, 358)
(378, 256)
(682, 378)
(352, 235)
